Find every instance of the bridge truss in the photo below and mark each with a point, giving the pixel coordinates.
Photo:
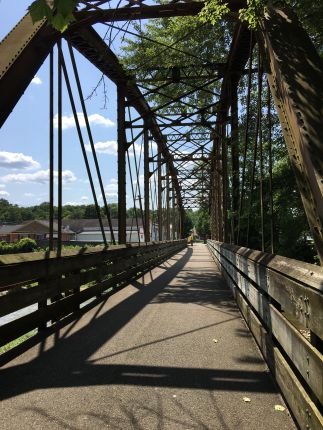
(176, 154)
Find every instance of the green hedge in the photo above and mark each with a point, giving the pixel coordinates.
(23, 245)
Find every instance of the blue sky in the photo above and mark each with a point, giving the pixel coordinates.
(24, 139)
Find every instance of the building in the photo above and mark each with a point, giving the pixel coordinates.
(36, 229)
(78, 230)
(88, 230)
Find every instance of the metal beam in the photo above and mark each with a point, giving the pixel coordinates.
(90, 44)
(122, 210)
(146, 12)
(146, 186)
(296, 79)
(159, 198)
(22, 52)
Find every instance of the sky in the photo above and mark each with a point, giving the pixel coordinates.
(24, 138)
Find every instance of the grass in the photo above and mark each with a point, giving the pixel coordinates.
(17, 341)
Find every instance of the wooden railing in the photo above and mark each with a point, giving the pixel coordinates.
(282, 302)
(39, 289)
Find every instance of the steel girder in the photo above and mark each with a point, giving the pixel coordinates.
(295, 74)
(235, 66)
(296, 87)
(91, 46)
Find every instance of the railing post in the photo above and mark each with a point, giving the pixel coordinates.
(122, 211)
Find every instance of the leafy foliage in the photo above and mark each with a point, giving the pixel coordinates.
(215, 10)
(23, 245)
(59, 13)
(310, 14)
(170, 43)
(292, 235)
(14, 214)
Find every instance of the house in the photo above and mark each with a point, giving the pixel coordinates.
(88, 230)
(36, 229)
(80, 230)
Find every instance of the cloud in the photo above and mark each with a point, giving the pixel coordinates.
(111, 191)
(72, 203)
(40, 177)
(95, 119)
(83, 201)
(2, 186)
(36, 80)
(4, 194)
(112, 187)
(84, 181)
(29, 194)
(109, 147)
(17, 160)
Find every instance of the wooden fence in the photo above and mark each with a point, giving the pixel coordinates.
(56, 286)
(282, 302)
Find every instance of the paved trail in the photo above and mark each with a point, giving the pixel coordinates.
(146, 360)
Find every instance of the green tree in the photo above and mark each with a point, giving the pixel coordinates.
(59, 13)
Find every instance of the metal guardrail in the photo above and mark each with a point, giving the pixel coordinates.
(57, 286)
(282, 302)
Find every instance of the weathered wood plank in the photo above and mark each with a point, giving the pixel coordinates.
(306, 358)
(304, 410)
(30, 271)
(123, 270)
(304, 303)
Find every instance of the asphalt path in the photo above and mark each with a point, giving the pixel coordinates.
(170, 351)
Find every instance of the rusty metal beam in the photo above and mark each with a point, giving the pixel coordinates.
(89, 43)
(296, 79)
(122, 209)
(146, 187)
(22, 52)
(147, 12)
(235, 67)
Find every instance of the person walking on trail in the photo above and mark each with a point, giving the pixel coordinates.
(190, 240)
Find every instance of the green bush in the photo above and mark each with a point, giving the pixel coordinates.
(23, 245)
(26, 245)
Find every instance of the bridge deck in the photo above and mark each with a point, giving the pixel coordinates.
(147, 359)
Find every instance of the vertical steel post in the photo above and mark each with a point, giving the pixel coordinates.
(234, 159)
(173, 213)
(51, 150)
(261, 167)
(60, 152)
(224, 149)
(81, 140)
(79, 87)
(270, 167)
(246, 141)
(122, 210)
(167, 204)
(146, 185)
(159, 199)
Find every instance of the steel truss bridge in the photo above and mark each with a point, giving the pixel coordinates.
(178, 154)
